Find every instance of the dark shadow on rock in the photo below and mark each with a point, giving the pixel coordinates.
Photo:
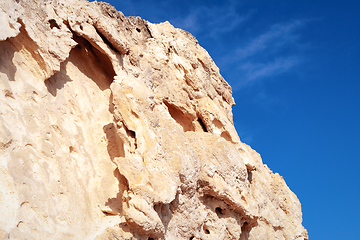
(245, 231)
(90, 61)
(115, 204)
(115, 146)
(7, 51)
(93, 63)
(58, 80)
(164, 212)
(25, 45)
(183, 119)
(111, 104)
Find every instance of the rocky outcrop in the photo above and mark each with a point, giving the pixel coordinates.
(115, 128)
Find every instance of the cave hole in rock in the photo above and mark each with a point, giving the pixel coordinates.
(93, 63)
(226, 136)
(53, 24)
(138, 29)
(131, 133)
(202, 124)
(71, 149)
(220, 212)
(180, 117)
(245, 230)
(250, 175)
(206, 230)
(191, 238)
(217, 123)
(108, 213)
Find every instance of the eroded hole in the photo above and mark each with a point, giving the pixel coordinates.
(250, 175)
(71, 149)
(132, 134)
(138, 29)
(181, 118)
(202, 125)
(218, 123)
(133, 141)
(226, 136)
(53, 24)
(245, 226)
(94, 64)
(206, 230)
(245, 229)
(219, 211)
(108, 213)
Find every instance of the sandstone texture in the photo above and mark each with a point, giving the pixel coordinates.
(112, 127)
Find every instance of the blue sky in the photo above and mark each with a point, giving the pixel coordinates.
(294, 67)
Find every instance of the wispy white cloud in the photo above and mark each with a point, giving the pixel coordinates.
(275, 38)
(255, 71)
(189, 23)
(211, 21)
(226, 19)
(274, 51)
(266, 54)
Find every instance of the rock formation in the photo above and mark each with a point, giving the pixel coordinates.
(112, 127)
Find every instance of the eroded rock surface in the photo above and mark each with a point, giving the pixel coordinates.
(115, 128)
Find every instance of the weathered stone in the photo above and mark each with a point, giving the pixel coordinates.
(115, 128)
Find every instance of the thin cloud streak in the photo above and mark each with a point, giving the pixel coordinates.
(211, 21)
(189, 23)
(276, 37)
(254, 71)
(266, 55)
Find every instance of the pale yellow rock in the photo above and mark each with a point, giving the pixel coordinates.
(112, 127)
(9, 27)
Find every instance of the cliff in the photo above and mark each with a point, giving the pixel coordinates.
(112, 127)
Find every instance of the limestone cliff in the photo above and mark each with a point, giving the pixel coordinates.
(115, 128)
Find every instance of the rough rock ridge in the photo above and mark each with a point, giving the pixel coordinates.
(115, 128)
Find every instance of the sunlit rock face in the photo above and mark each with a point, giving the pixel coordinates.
(115, 128)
